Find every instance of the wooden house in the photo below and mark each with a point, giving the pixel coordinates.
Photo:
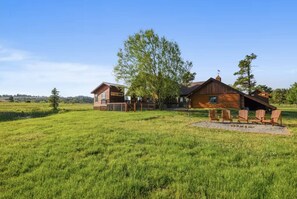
(183, 100)
(107, 93)
(264, 96)
(213, 93)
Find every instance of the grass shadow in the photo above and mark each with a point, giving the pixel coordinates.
(10, 115)
(150, 118)
(290, 114)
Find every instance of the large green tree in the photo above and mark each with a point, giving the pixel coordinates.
(245, 80)
(54, 99)
(292, 94)
(279, 95)
(152, 66)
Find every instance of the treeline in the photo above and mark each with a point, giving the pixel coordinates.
(44, 99)
(285, 96)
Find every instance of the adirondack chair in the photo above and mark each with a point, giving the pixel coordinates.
(213, 116)
(260, 115)
(275, 117)
(226, 115)
(243, 115)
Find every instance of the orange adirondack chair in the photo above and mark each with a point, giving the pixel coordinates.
(260, 115)
(226, 115)
(243, 115)
(275, 117)
(213, 116)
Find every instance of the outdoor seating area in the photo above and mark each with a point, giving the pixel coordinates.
(243, 117)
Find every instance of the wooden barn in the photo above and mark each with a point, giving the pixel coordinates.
(107, 93)
(213, 93)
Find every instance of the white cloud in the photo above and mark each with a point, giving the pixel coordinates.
(64, 72)
(30, 75)
(12, 55)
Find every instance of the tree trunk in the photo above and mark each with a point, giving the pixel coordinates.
(249, 80)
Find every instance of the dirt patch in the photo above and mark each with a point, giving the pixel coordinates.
(244, 127)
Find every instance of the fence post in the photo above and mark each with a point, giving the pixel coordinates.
(134, 106)
(126, 107)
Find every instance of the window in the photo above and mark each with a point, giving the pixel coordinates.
(103, 96)
(181, 99)
(213, 99)
(96, 98)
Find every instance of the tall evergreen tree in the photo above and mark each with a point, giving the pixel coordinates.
(245, 80)
(10, 99)
(54, 99)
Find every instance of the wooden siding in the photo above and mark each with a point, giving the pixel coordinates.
(226, 96)
(224, 101)
(215, 88)
(103, 89)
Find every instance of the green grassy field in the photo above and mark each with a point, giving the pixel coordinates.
(14, 111)
(81, 153)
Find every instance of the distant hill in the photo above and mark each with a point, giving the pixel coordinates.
(31, 98)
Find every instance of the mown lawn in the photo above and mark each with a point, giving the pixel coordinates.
(154, 154)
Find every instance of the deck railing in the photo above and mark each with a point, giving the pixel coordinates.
(117, 106)
(124, 106)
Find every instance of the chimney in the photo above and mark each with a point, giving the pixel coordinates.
(219, 78)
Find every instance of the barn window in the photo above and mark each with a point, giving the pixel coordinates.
(213, 99)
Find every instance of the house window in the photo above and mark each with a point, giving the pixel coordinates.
(96, 98)
(103, 96)
(213, 99)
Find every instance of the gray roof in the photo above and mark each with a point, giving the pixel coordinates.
(108, 84)
(186, 90)
(113, 84)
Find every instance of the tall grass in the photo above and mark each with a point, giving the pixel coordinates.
(156, 154)
(14, 111)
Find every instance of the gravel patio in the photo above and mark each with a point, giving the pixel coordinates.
(245, 127)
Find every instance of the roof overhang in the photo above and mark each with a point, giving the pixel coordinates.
(107, 84)
(98, 87)
(260, 102)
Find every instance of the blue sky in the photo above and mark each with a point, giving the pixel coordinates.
(72, 44)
